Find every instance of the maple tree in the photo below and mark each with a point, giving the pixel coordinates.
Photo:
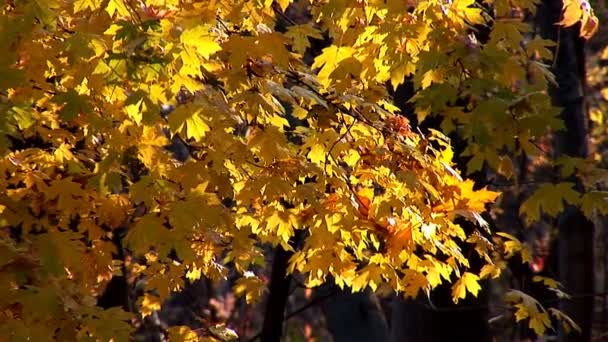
(276, 148)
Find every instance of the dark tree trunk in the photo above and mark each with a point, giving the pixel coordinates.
(118, 290)
(272, 329)
(440, 320)
(575, 248)
(575, 242)
(355, 317)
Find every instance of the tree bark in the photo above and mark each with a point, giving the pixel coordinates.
(575, 241)
(355, 317)
(419, 320)
(274, 316)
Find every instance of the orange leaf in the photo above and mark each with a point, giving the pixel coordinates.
(364, 201)
(589, 26)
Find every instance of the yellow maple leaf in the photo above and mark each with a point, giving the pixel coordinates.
(549, 282)
(81, 5)
(567, 323)
(149, 304)
(300, 36)
(189, 119)
(539, 322)
(513, 245)
(149, 231)
(328, 61)
(490, 270)
(281, 224)
(413, 282)
(182, 333)
(594, 200)
(476, 199)
(468, 282)
(528, 307)
(574, 11)
(589, 26)
(117, 6)
(250, 286)
(201, 40)
(469, 11)
(283, 4)
(521, 312)
(194, 273)
(571, 12)
(317, 154)
(68, 193)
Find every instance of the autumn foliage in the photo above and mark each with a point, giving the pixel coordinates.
(275, 146)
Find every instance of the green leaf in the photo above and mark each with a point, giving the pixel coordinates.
(548, 199)
(73, 104)
(24, 117)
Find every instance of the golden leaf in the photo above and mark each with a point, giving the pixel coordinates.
(469, 282)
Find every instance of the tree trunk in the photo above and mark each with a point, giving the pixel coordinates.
(441, 320)
(575, 242)
(272, 329)
(355, 317)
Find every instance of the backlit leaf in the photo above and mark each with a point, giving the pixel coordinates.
(189, 121)
(548, 199)
(469, 282)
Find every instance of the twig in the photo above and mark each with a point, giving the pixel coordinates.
(223, 25)
(282, 15)
(335, 143)
(350, 112)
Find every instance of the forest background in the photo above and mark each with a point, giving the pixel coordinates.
(338, 170)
